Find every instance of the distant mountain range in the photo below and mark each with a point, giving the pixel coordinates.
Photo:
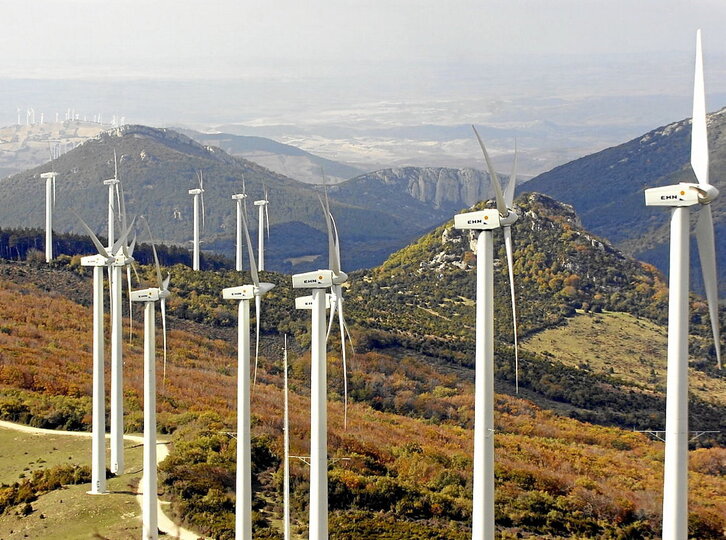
(278, 157)
(606, 189)
(376, 214)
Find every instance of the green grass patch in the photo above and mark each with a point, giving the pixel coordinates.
(68, 512)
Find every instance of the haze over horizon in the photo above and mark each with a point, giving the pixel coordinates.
(368, 83)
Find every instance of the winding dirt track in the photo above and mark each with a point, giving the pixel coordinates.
(166, 525)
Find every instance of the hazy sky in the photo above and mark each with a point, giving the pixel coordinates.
(238, 38)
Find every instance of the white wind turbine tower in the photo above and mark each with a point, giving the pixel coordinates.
(241, 199)
(318, 281)
(680, 198)
(149, 480)
(244, 293)
(486, 221)
(198, 194)
(104, 259)
(263, 225)
(123, 258)
(49, 178)
(286, 453)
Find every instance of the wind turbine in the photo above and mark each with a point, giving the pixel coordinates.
(262, 225)
(680, 198)
(104, 259)
(486, 221)
(240, 199)
(149, 484)
(244, 293)
(49, 178)
(123, 258)
(318, 281)
(198, 194)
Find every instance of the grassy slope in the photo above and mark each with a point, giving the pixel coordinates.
(623, 346)
(69, 512)
(537, 451)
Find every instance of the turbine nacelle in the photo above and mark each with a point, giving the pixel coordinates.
(683, 194)
(247, 292)
(196, 191)
(481, 220)
(111, 182)
(97, 260)
(243, 292)
(239, 196)
(261, 203)
(306, 302)
(151, 294)
(319, 279)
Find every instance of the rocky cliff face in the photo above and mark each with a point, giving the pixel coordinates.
(440, 187)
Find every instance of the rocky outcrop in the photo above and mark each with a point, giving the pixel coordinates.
(440, 187)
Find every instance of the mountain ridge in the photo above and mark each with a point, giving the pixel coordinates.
(607, 189)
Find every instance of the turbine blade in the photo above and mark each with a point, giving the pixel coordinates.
(699, 135)
(131, 305)
(510, 269)
(253, 263)
(333, 307)
(267, 222)
(110, 290)
(119, 213)
(258, 311)
(707, 254)
(511, 186)
(130, 251)
(336, 264)
(331, 241)
(201, 196)
(501, 205)
(156, 257)
(341, 320)
(163, 330)
(54, 191)
(136, 272)
(122, 204)
(115, 165)
(94, 238)
(122, 239)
